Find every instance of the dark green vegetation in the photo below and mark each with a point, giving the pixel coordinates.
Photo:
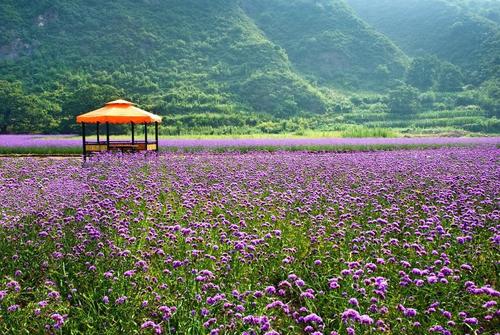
(449, 29)
(328, 44)
(241, 67)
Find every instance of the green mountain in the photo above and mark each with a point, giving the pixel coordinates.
(202, 53)
(246, 66)
(326, 42)
(489, 9)
(183, 56)
(457, 31)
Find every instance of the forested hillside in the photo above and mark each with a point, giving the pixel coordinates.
(329, 44)
(489, 9)
(452, 30)
(180, 56)
(246, 66)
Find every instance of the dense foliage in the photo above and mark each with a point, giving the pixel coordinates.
(329, 44)
(240, 67)
(452, 32)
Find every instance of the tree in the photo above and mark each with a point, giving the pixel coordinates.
(21, 112)
(86, 98)
(403, 100)
(450, 78)
(422, 72)
(12, 104)
(489, 97)
(38, 116)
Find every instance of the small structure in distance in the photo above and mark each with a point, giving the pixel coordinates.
(118, 112)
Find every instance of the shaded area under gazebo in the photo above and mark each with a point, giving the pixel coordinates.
(118, 112)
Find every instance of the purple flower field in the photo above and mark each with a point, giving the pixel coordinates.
(23, 141)
(328, 141)
(10, 141)
(396, 242)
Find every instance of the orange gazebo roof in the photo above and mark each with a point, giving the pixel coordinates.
(118, 111)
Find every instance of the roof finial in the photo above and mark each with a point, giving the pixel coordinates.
(120, 102)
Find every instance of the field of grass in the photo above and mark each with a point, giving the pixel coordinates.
(348, 132)
(464, 120)
(387, 242)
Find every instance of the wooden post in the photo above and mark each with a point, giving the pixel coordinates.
(97, 133)
(107, 135)
(84, 145)
(156, 135)
(133, 135)
(146, 135)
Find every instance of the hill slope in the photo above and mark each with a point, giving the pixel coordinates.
(489, 9)
(327, 42)
(229, 66)
(451, 30)
(184, 56)
(172, 50)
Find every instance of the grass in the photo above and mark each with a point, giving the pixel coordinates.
(302, 134)
(363, 132)
(47, 151)
(470, 121)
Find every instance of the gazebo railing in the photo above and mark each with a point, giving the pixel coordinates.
(99, 145)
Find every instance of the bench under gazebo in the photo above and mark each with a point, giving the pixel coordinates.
(118, 112)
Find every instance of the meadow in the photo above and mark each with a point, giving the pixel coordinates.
(385, 242)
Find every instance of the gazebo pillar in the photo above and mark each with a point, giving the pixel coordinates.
(107, 135)
(156, 135)
(146, 134)
(97, 133)
(84, 143)
(133, 135)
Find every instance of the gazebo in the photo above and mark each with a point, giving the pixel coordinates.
(118, 112)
